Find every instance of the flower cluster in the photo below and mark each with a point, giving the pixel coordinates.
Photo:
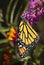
(34, 12)
(12, 34)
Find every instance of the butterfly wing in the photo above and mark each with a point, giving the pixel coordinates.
(27, 36)
(22, 50)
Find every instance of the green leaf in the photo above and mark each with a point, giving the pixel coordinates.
(26, 58)
(26, 61)
(38, 51)
(16, 19)
(1, 20)
(4, 29)
(1, 16)
(1, 49)
(4, 41)
(12, 13)
(14, 57)
(8, 10)
(34, 63)
(37, 62)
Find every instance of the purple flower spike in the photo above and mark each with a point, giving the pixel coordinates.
(31, 23)
(43, 11)
(25, 13)
(39, 2)
(42, 0)
(33, 16)
(27, 16)
(34, 12)
(39, 12)
(31, 4)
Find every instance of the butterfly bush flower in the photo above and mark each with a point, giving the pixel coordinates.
(39, 12)
(25, 14)
(32, 4)
(34, 12)
(43, 11)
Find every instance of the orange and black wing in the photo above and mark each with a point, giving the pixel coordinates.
(27, 37)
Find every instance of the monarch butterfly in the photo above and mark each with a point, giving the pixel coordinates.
(27, 38)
